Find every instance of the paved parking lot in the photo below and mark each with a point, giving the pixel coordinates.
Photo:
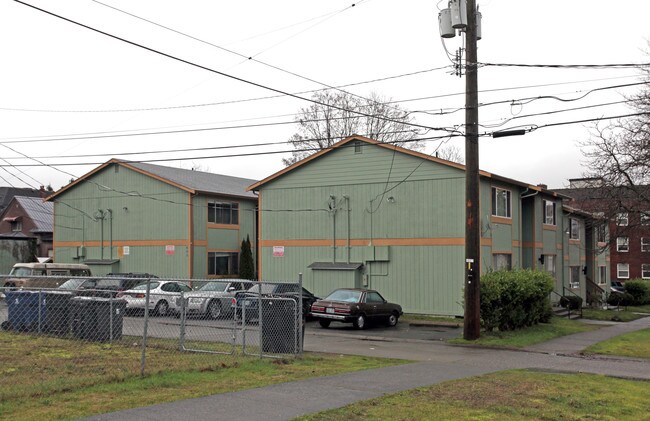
(221, 330)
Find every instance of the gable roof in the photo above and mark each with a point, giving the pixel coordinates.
(8, 193)
(392, 147)
(188, 180)
(41, 213)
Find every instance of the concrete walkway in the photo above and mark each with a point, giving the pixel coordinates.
(437, 362)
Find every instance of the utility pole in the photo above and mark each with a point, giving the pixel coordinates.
(463, 16)
(472, 320)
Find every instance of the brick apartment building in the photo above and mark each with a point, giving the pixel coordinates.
(627, 233)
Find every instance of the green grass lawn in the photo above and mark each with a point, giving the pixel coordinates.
(610, 315)
(640, 309)
(510, 395)
(46, 378)
(521, 338)
(633, 344)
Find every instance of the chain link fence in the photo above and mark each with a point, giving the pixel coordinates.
(205, 321)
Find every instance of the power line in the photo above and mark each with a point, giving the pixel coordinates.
(199, 66)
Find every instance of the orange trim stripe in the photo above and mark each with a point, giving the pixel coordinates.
(131, 243)
(366, 242)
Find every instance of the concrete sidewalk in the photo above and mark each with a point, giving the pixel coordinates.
(438, 362)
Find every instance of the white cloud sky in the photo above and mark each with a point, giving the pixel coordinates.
(50, 64)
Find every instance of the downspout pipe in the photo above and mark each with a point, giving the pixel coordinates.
(110, 241)
(347, 201)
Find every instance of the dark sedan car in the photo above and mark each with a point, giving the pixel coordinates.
(357, 306)
(249, 298)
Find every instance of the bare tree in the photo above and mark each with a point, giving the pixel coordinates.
(339, 114)
(451, 153)
(618, 159)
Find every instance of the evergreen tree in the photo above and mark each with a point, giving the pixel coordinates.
(246, 264)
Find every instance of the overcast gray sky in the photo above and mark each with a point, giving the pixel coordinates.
(62, 85)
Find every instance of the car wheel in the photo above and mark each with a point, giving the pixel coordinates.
(324, 323)
(360, 322)
(392, 320)
(162, 308)
(214, 310)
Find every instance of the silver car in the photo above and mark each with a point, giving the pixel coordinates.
(213, 299)
(162, 296)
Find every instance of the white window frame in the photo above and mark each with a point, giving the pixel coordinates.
(645, 271)
(574, 229)
(622, 244)
(623, 271)
(502, 213)
(645, 218)
(496, 257)
(574, 277)
(622, 219)
(602, 275)
(549, 264)
(645, 244)
(549, 218)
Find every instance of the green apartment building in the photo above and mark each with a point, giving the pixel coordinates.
(365, 213)
(136, 217)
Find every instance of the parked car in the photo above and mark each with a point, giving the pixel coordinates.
(213, 299)
(250, 298)
(77, 285)
(43, 275)
(162, 296)
(111, 287)
(617, 286)
(357, 306)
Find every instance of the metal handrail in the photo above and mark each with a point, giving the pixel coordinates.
(564, 290)
(603, 294)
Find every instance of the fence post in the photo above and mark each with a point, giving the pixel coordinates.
(40, 307)
(181, 345)
(110, 318)
(301, 316)
(144, 333)
(259, 320)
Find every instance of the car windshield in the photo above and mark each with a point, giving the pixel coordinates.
(72, 283)
(108, 283)
(345, 296)
(214, 286)
(141, 287)
(20, 272)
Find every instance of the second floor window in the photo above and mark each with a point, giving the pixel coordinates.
(223, 213)
(645, 218)
(574, 230)
(16, 226)
(549, 212)
(501, 202)
(622, 244)
(645, 244)
(622, 219)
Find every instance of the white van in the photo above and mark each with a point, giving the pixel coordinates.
(33, 275)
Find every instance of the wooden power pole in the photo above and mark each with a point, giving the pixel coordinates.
(472, 321)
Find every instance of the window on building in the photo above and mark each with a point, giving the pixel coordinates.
(645, 271)
(357, 147)
(223, 212)
(223, 263)
(645, 244)
(502, 261)
(501, 202)
(574, 276)
(602, 275)
(623, 244)
(645, 218)
(549, 212)
(601, 233)
(16, 226)
(622, 219)
(574, 230)
(623, 271)
(549, 264)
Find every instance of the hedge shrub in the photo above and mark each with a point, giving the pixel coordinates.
(622, 299)
(572, 302)
(639, 290)
(515, 299)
